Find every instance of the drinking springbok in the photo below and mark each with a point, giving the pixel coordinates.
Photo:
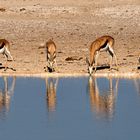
(5, 50)
(104, 43)
(51, 55)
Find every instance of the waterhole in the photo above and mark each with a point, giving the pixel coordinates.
(69, 108)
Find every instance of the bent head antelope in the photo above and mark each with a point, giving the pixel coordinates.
(5, 50)
(51, 54)
(104, 43)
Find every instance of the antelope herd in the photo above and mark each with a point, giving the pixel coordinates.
(104, 43)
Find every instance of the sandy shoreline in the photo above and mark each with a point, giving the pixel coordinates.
(130, 75)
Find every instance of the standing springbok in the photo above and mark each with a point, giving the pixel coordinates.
(51, 55)
(5, 50)
(104, 43)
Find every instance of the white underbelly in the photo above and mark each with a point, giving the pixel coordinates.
(2, 50)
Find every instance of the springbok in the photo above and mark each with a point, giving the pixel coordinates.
(5, 50)
(104, 43)
(51, 55)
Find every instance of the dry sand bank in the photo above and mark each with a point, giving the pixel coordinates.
(73, 26)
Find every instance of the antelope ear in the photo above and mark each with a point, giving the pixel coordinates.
(87, 61)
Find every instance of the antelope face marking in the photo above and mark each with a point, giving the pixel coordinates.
(51, 59)
(90, 66)
(51, 54)
(90, 69)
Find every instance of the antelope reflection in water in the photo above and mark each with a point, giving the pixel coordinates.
(51, 87)
(103, 102)
(5, 96)
(137, 85)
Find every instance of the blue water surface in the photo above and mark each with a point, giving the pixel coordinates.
(69, 108)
